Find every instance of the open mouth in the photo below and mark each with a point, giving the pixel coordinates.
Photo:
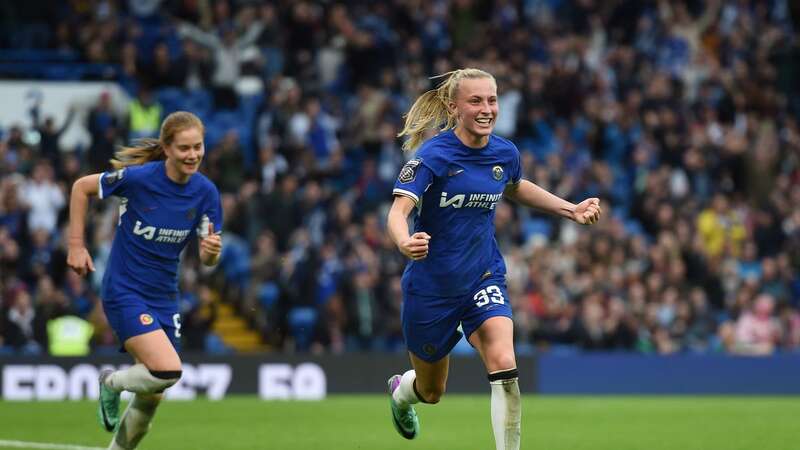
(484, 121)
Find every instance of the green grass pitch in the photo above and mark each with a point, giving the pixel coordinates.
(458, 422)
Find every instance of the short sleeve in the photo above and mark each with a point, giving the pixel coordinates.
(114, 182)
(212, 213)
(414, 179)
(515, 175)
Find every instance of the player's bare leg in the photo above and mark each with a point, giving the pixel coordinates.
(431, 378)
(157, 368)
(425, 383)
(136, 421)
(494, 340)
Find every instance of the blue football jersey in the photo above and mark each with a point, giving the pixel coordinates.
(456, 189)
(157, 217)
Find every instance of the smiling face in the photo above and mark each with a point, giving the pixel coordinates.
(184, 154)
(475, 108)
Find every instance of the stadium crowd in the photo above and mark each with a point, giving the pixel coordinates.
(682, 116)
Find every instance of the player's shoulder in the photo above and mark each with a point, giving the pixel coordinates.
(203, 183)
(143, 170)
(502, 143)
(504, 147)
(434, 152)
(127, 173)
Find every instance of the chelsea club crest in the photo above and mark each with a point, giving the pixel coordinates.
(497, 173)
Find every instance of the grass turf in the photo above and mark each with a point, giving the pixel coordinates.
(459, 422)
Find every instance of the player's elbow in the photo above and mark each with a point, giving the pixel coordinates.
(86, 185)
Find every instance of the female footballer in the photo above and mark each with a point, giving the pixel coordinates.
(455, 281)
(164, 204)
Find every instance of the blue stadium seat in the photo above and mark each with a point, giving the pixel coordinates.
(215, 346)
(268, 294)
(633, 227)
(38, 55)
(536, 226)
(171, 99)
(235, 261)
(198, 101)
(302, 321)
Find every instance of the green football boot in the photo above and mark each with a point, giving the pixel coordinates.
(405, 420)
(108, 408)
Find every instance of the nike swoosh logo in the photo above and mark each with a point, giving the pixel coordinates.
(454, 172)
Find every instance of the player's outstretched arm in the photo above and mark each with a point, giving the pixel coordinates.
(210, 247)
(414, 246)
(78, 258)
(529, 194)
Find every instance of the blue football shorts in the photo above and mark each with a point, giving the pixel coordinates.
(430, 324)
(131, 315)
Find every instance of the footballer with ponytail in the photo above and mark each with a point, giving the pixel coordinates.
(455, 280)
(164, 203)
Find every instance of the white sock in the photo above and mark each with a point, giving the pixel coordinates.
(404, 395)
(135, 424)
(506, 413)
(137, 378)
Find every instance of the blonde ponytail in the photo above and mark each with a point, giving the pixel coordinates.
(145, 150)
(149, 149)
(431, 109)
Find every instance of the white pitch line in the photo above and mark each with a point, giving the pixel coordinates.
(44, 445)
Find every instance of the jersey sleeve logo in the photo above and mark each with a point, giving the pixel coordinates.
(113, 177)
(409, 171)
(146, 319)
(497, 173)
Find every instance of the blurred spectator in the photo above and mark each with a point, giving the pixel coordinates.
(757, 330)
(144, 115)
(198, 319)
(43, 197)
(165, 71)
(226, 163)
(22, 330)
(230, 50)
(69, 336)
(49, 135)
(104, 128)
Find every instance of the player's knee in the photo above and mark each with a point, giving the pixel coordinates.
(164, 379)
(502, 362)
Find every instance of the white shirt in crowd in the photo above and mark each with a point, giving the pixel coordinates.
(45, 200)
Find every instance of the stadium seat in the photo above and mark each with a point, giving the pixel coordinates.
(536, 226)
(214, 345)
(302, 321)
(268, 294)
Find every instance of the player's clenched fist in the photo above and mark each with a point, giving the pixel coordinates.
(588, 211)
(210, 246)
(416, 246)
